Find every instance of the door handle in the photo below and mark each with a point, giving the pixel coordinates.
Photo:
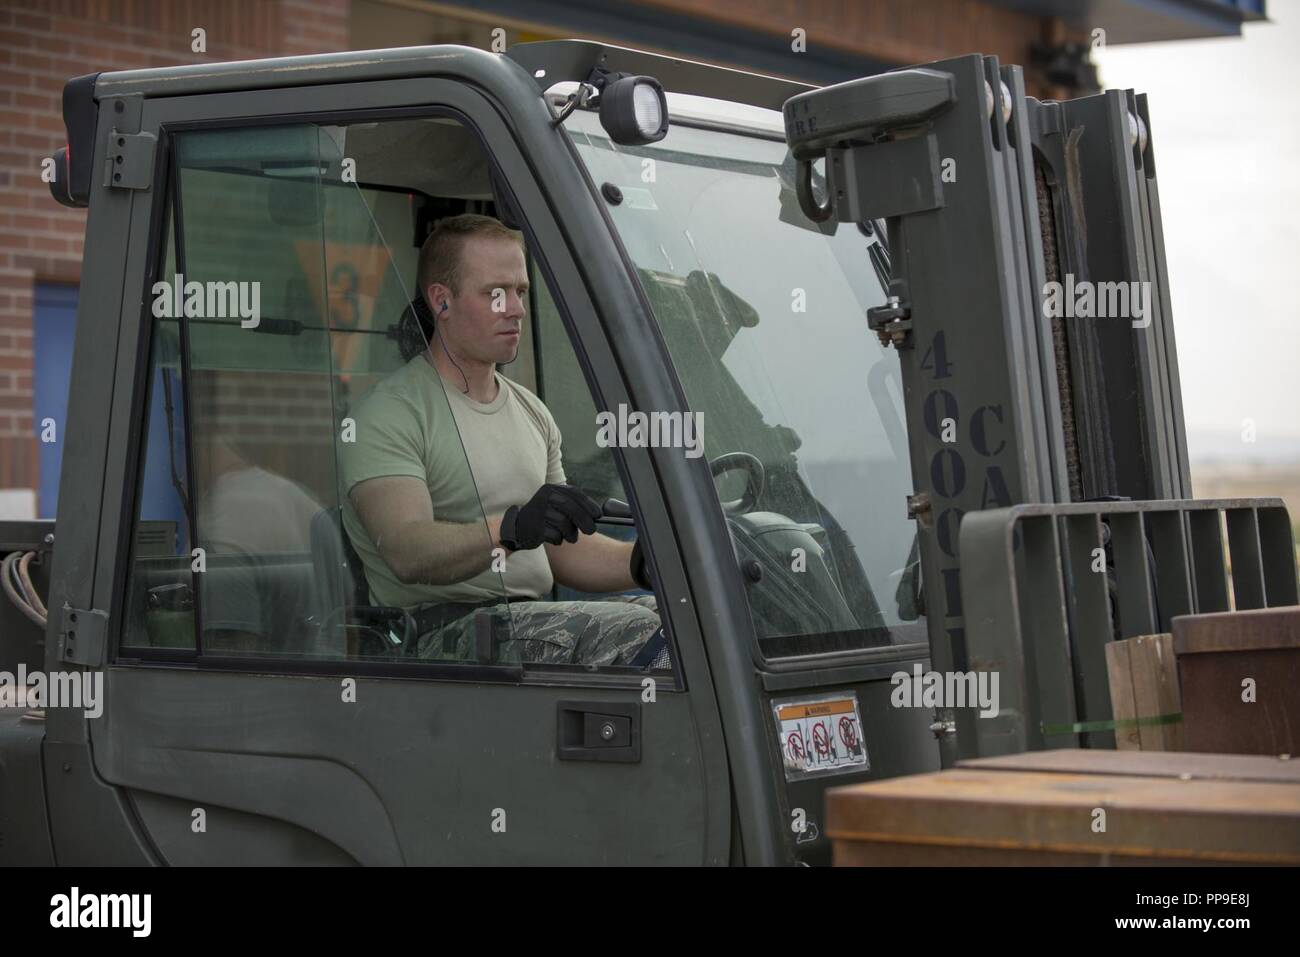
(598, 731)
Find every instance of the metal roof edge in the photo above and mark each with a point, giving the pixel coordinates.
(233, 75)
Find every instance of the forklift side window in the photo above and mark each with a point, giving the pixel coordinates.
(293, 369)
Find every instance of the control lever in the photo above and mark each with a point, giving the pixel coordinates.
(615, 512)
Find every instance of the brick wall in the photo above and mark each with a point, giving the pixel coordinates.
(42, 44)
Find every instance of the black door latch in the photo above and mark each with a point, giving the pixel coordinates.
(598, 731)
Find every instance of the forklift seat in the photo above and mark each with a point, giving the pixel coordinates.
(340, 575)
(343, 596)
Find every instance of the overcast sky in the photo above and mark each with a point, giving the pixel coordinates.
(1226, 119)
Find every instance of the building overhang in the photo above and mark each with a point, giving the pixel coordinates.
(1147, 21)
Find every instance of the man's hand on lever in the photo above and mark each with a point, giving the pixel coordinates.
(555, 514)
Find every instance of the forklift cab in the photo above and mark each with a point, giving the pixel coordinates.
(250, 254)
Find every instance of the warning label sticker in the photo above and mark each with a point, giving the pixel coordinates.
(821, 735)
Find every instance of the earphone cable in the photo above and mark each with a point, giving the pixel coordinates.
(438, 333)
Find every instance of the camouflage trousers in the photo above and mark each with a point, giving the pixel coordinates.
(595, 633)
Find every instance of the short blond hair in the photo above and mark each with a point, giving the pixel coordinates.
(440, 256)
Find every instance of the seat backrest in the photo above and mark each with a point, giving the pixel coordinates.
(340, 576)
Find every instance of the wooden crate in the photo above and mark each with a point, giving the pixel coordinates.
(1217, 654)
(1144, 696)
(1041, 808)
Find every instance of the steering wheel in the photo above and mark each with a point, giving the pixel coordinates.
(757, 478)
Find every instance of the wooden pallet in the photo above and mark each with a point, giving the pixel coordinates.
(1075, 807)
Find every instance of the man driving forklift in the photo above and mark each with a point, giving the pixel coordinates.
(456, 498)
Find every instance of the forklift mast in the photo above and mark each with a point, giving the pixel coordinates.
(1043, 421)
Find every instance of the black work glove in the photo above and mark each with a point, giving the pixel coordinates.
(554, 514)
(639, 569)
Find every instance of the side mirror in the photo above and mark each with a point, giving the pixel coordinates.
(72, 163)
(836, 120)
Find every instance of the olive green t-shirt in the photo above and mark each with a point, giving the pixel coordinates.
(409, 424)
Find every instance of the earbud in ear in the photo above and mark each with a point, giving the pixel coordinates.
(443, 309)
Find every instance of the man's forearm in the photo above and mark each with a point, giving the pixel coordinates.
(440, 553)
(595, 563)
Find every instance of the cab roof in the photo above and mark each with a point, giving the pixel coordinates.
(548, 62)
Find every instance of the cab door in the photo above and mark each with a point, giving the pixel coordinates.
(254, 713)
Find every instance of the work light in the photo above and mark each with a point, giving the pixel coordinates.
(634, 110)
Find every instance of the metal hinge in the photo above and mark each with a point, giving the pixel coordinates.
(129, 164)
(83, 636)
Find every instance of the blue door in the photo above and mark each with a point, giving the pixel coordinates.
(54, 322)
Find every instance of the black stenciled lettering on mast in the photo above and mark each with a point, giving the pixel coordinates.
(953, 466)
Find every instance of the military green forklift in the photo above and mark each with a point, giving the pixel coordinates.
(907, 463)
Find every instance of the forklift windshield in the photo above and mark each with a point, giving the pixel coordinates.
(800, 407)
